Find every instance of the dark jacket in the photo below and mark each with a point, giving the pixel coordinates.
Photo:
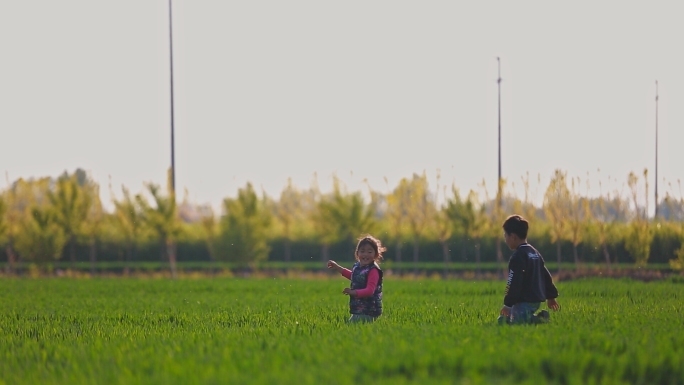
(528, 279)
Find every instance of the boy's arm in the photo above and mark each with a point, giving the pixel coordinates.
(551, 290)
(514, 283)
(371, 285)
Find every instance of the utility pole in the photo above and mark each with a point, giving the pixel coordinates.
(173, 157)
(170, 244)
(655, 216)
(498, 81)
(499, 198)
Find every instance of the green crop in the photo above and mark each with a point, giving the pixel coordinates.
(286, 331)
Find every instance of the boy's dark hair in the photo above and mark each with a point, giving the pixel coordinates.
(516, 224)
(374, 243)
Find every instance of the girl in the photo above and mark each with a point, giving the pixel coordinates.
(365, 293)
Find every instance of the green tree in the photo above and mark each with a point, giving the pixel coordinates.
(395, 215)
(557, 209)
(348, 214)
(675, 209)
(444, 230)
(496, 212)
(210, 228)
(471, 217)
(244, 229)
(604, 214)
(578, 218)
(452, 210)
(442, 224)
(9, 220)
(162, 219)
(526, 206)
(128, 219)
(4, 227)
(413, 195)
(639, 238)
(21, 197)
(289, 210)
(42, 239)
(71, 207)
(92, 226)
(324, 228)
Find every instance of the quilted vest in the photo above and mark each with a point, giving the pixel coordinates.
(372, 305)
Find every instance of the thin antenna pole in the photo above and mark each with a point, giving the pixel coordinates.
(656, 152)
(173, 157)
(499, 83)
(498, 80)
(499, 198)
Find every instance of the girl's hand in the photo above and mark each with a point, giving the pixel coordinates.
(334, 265)
(349, 291)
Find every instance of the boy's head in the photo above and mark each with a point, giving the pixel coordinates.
(369, 250)
(515, 231)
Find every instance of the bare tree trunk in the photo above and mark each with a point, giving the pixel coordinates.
(324, 253)
(499, 258)
(416, 250)
(558, 255)
(445, 251)
(163, 245)
(288, 252)
(606, 254)
(93, 256)
(478, 258)
(72, 252)
(11, 258)
(171, 251)
(127, 261)
(464, 249)
(447, 257)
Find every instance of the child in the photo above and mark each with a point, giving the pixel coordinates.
(365, 293)
(529, 281)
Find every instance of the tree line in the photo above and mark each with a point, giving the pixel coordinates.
(52, 219)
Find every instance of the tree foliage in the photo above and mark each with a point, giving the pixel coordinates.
(557, 207)
(346, 213)
(244, 228)
(162, 219)
(412, 196)
(39, 215)
(638, 240)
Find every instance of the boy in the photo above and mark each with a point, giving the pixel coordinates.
(529, 281)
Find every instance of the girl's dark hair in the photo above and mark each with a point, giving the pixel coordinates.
(516, 224)
(374, 243)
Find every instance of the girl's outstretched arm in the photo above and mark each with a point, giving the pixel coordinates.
(346, 273)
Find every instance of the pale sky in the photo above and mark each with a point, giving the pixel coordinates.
(266, 90)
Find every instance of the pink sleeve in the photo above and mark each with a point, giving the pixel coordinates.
(346, 273)
(371, 285)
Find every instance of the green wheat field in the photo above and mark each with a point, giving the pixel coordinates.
(289, 331)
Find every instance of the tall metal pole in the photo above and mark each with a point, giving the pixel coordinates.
(656, 153)
(498, 80)
(170, 244)
(499, 198)
(173, 157)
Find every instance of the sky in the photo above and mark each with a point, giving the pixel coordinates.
(369, 91)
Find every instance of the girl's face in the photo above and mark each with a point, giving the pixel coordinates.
(366, 254)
